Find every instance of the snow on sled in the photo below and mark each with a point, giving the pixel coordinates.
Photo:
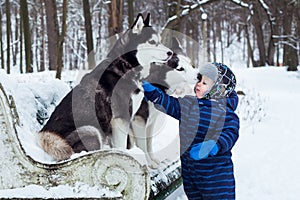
(102, 174)
(112, 171)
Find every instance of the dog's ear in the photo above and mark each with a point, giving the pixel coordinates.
(147, 20)
(138, 24)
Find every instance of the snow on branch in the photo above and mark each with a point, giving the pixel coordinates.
(241, 3)
(188, 9)
(267, 9)
(288, 44)
(289, 40)
(292, 38)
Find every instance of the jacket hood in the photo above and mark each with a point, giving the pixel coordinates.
(233, 100)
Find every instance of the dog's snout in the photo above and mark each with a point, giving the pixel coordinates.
(169, 53)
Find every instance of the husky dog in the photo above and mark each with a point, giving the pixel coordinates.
(99, 109)
(178, 72)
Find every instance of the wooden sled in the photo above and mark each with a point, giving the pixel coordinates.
(113, 170)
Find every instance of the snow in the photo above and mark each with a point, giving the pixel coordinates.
(62, 191)
(265, 156)
(32, 92)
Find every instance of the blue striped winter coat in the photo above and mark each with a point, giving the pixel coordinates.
(201, 119)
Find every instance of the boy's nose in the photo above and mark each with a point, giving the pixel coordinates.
(198, 84)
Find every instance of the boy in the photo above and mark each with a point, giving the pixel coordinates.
(208, 128)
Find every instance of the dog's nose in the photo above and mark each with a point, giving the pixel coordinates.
(169, 53)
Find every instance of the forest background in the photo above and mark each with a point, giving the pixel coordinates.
(39, 35)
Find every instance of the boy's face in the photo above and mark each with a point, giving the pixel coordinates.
(203, 86)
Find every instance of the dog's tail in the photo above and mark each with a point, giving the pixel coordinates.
(55, 145)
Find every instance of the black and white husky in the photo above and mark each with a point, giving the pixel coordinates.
(100, 107)
(106, 106)
(174, 77)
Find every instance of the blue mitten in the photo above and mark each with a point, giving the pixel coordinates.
(151, 92)
(204, 149)
(148, 87)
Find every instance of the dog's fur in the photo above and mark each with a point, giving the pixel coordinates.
(167, 77)
(101, 106)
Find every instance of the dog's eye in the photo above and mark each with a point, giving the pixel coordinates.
(152, 42)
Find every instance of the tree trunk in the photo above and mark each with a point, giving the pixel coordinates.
(27, 37)
(271, 12)
(271, 48)
(214, 35)
(130, 12)
(89, 34)
(167, 32)
(1, 42)
(52, 32)
(298, 31)
(21, 44)
(250, 51)
(290, 57)
(256, 18)
(208, 52)
(43, 46)
(61, 38)
(116, 17)
(16, 46)
(8, 31)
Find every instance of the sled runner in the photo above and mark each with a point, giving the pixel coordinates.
(112, 170)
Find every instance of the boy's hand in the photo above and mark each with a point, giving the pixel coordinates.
(151, 92)
(148, 87)
(204, 149)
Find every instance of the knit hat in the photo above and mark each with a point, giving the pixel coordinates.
(210, 70)
(225, 83)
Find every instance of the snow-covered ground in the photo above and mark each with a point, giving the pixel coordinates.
(265, 156)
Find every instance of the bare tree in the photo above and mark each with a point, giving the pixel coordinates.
(115, 24)
(274, 28)
(290, 53)
(21, 45)
(130, 11)
(257, 23)
(42, 35)
(15, 48)
(298, 30)
(55, 39)
(52, 32)
(1, 42)
(61, 38)
(27, 36)
(8, 31)
(89, 34)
